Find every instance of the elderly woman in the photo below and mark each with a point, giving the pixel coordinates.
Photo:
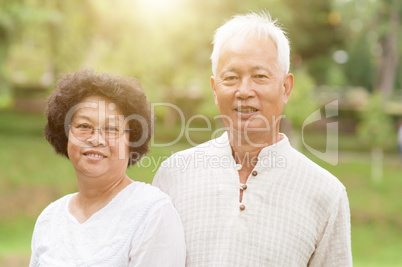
(102, 124)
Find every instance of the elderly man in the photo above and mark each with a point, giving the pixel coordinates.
(248, 198)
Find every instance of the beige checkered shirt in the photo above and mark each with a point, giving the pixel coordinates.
(293, 212)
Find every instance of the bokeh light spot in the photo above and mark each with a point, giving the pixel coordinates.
(340, 56)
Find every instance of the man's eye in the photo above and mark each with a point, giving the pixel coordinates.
(230, 78)
(260, 76)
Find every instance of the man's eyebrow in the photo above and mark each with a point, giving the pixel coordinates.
(229, 70)
(268, 69)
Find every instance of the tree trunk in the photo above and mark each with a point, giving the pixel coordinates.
(4, 47)
(388, 60)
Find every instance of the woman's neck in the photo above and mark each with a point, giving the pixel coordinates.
(94, 194)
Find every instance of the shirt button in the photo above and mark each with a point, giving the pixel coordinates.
(254, 173)
(243, 186)
(242, 207)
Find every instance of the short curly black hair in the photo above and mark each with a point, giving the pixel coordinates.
(125, 92)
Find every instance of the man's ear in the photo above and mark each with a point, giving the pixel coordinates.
(288, 86)
(214, 89)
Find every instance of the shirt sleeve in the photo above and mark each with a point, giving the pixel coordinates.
(159, 177)
(156, 180)
(34, 259)
(334, 247)
(161, 242)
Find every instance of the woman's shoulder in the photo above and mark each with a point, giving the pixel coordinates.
(146, 195)
(132, 208)
(138, 199)
(56, 208)
(53, 215)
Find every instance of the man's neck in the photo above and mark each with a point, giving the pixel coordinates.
(245, 149)
(250, 144)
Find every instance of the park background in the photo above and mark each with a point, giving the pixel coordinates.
(345, 53)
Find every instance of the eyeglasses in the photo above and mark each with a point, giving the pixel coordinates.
(83, 131)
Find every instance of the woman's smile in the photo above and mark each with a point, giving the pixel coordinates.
(94, 155)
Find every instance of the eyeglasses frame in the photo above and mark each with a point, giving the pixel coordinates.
(99, 129)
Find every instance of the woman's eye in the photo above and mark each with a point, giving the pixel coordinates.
(84, 126)
(111, 128)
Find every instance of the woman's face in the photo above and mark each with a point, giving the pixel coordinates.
(97, 143)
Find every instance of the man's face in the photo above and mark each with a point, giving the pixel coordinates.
(249, 86)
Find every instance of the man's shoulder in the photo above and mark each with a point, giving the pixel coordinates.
(317, 174)
(209, 147)
(182, 163)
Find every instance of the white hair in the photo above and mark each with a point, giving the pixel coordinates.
(252, 25)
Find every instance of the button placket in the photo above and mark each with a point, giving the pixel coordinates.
(244, 187)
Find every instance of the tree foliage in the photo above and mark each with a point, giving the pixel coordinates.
(373, 38)
(302, 101)
(376, 129)
(168, 48)
(376, 126)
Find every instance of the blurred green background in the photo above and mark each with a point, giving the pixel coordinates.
(344, 52)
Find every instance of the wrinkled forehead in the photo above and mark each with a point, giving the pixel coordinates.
(248, 51)
(247, 42)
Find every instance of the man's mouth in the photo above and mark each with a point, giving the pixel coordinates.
(246, 110)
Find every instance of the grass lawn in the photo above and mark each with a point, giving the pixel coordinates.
(375, 209)
(31, 176)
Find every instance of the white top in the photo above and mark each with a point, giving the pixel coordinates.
(296, 213)
(139, 227)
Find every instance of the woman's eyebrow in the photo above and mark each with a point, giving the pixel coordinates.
(83, 117)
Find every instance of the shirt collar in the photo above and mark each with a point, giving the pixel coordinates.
(223, 147)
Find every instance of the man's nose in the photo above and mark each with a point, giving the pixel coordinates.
(245, 89)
